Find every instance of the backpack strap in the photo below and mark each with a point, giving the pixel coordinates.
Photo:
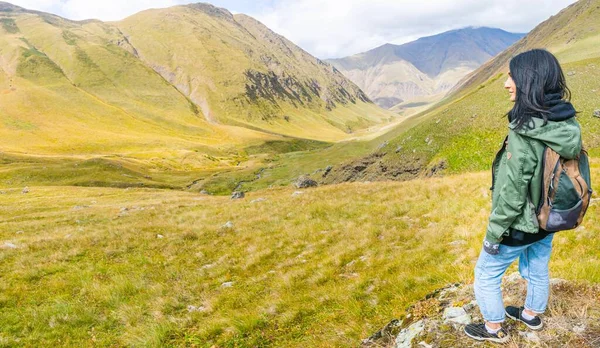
(572, 167)
(551, 164)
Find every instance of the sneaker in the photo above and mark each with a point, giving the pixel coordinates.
(480, 333)
(516, 314)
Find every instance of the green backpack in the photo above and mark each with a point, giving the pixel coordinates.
(566, 191)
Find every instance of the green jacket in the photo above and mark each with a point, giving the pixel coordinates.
(517, 175)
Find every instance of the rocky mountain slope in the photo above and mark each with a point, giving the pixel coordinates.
(391, 74)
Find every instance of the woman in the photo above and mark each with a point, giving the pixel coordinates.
(541, 116)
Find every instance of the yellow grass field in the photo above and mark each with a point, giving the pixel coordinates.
(90, 267)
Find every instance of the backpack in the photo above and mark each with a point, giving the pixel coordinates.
(566, 191)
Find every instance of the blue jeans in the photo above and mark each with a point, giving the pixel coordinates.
(533, 266)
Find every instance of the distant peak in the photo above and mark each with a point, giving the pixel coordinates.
(6, 7)
(211, 10)
(473, 27)
(386, 46)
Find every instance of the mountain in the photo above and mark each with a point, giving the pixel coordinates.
(462, 132)
(430, 66)
(241, 73)
(193, 79)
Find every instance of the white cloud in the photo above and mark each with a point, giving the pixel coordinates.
(107, 10)
(336, 28)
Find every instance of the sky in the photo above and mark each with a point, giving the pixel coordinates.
(338, 28)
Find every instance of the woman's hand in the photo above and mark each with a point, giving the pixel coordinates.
(491, 248)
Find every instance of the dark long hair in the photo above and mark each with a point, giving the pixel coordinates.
(536, 73)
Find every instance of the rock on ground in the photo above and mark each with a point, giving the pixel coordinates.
(406, 336)
(304, 182)
(456, 315)
(238, 195)
(8, 245)
(192, 308)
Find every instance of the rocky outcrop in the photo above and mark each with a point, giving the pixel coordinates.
(571, 320)
(273, 87)
(212, 10)
(436, 168)
(374, 167)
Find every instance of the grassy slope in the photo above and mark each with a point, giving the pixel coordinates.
(68, 80)
(463, 141)
(285, 167)
(84, 118)
(103, 82)
(311, 270)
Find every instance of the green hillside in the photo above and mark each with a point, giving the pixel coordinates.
(151, 262)
(199, 68)
(159, 136)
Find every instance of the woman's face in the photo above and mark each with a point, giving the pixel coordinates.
(511, 87)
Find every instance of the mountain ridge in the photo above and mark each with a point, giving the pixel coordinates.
(429, 66)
